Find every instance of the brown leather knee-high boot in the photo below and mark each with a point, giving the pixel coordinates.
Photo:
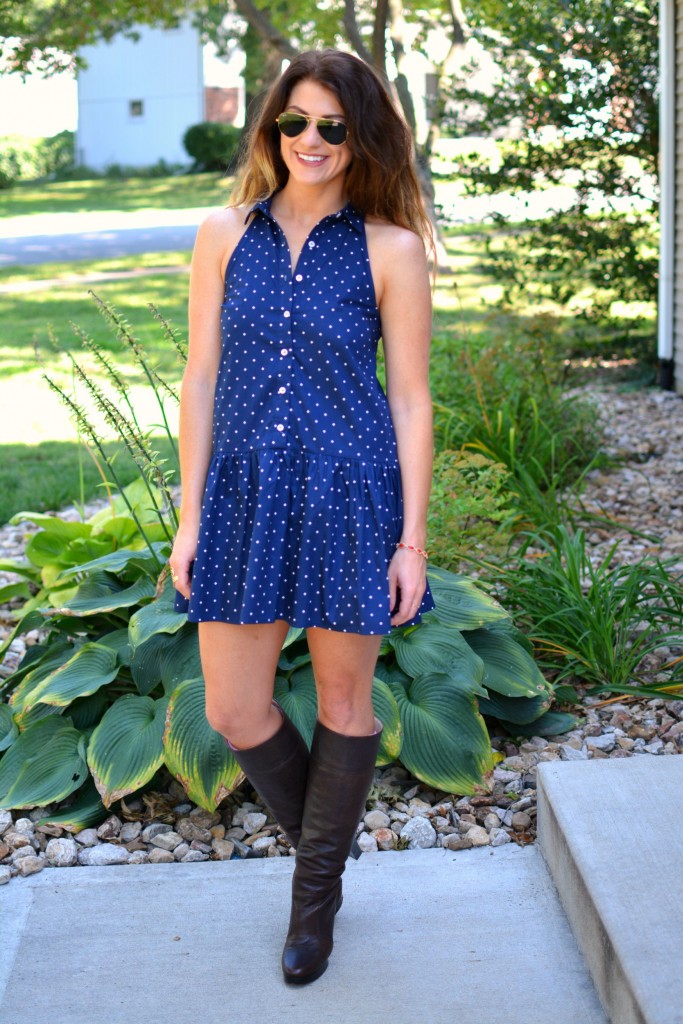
(340, 772)
(278, 771)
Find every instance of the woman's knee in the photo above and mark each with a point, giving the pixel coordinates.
(343, 704)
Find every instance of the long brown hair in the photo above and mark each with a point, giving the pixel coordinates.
(380, 180)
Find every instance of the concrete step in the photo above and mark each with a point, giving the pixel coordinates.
(475, 936)
(611, 832)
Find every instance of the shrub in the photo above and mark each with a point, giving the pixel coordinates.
(23, 159)
(595, 622)
(212, 146)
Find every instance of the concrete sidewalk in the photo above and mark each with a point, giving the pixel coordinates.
(476, 936)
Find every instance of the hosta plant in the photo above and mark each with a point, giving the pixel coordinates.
(114, 690)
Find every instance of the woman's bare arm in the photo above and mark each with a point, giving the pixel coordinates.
(399, 265)
(216, 240)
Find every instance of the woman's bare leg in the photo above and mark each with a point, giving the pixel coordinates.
(344, 666)
(239, 664)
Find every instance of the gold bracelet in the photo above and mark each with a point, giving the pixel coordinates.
(411, 547)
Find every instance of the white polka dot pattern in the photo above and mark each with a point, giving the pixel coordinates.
(302, 506)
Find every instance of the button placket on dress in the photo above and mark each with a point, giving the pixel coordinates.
(282, 400)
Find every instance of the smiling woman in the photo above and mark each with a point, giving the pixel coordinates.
(304, 483)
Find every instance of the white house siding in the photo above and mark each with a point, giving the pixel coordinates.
(678, 217)
(163, 71)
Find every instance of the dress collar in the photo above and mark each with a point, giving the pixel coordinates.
(349, 213)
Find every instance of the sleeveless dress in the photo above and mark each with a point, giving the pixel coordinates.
(302, 507)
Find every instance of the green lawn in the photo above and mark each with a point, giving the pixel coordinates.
(176, 193)
(41, 467)
(28, 317)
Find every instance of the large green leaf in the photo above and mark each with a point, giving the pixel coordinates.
(445, 740)
(508, 668)
(552, 723)
(13, 590)
(92, 666)
(393, 676)
(298, 698)
(145, 664)
(9, 729)
(117, 639)
(137, 495)
(20, 568)
(433, 647)
(515, 709)
(386, 709)
(195, 753)
(46, 548)
(103, 593)
(44, 765)
(460, 603)
(53, 526)
(156, 617)
(180, 658)
(293, 633)
(126, 748)
(86, 712)
(86, 810)
(168, 659)
(140, 559)
(56, 654)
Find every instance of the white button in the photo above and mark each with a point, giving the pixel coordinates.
(279, 426)
(284, 351)
(287, 313)
(281, 391)
(299, 277)
(311, 245)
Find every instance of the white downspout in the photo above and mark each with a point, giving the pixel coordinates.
(667, 185)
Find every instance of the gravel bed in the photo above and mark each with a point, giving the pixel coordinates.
(645, 490)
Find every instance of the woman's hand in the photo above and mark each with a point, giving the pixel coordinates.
(182, 557)
(407, 580)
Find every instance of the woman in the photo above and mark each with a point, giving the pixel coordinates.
(304, 486)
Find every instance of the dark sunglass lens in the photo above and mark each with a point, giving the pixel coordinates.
(333, 132)
(291, 125)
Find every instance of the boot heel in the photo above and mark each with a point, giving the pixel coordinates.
(341, 770)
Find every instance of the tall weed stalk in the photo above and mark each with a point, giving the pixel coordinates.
(119, 413)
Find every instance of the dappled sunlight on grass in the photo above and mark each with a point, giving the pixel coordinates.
(30, 412)
(24, 318)
(75, 270)
(185, 191)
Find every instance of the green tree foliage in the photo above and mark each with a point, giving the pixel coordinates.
(580, 78)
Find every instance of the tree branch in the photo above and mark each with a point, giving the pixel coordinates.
(354, 34)
(262, 24)
(379, 36)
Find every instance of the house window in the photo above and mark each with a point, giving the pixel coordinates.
(136, 108)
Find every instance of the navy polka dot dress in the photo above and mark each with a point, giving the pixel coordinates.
(302, 507)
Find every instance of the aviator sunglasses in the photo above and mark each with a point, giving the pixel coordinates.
(330, 131)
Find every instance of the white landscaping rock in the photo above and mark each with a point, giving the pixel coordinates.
(157, 856)
(376, 819)
(87, 837)
(167, 840)
(253, 822)
(262, 845)
(478, 836)
(367, 843)
(419, 833)
(105, 853)
(30, 865)
(62, 853)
